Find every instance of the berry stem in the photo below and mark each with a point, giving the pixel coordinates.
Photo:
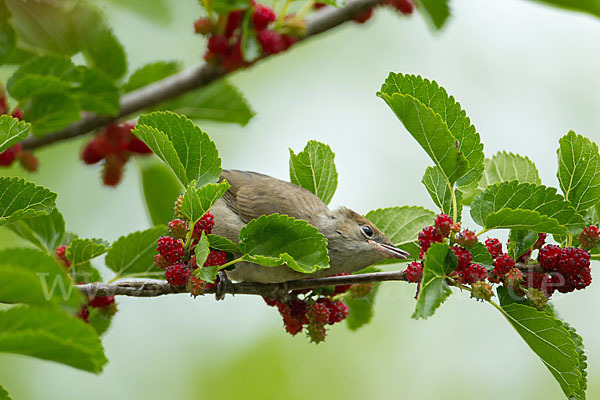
(230, 263)
(306, 8)
(283, 12)
(206, 5)
(569, 240)
(454, 204)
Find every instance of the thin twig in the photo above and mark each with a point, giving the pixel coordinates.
(194, 78)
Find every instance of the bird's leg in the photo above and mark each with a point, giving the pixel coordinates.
(224, 286)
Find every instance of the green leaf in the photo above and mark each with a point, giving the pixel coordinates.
(82, 250)
(55, 66)
(98, 43)
(579, 394)
(202, 250)
(220, 101)
(196, 202)
(189, 151)
(463, 138)
(220, 243)
(45, 232)
(586, 6)
(550, 340)
(35, 278)
(12, 131)
(505, 167)
(51, 112)
(314, 170)
(525, 206)
(7, 36)
(208, 274)
(96, 93)
(3, 393)
(100, 319)
(402, 225)
(51, 335)
(360, 308)
(161, 189)
(250, 47)
(151, 73)
(335, 3)
(481, 255)
(428, 128)
(225, 6)
(437, 10)
(84, 273)
(520, 241)
(133, 255)
(273, 240)
(435, 183)
(20, 199)
(579, 170)
(440, 261)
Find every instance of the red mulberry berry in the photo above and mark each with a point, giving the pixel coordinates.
(178, 228)
(28, 161)
(464, 257)
(364, 16)
(216, 257)
(204, 26)
(271, 41)
(494, 247)
(443, 223)
(234, 21)
(61, 255)
(101, 301)
(171, 249)
(338, 310)
(414, 272)
(177, 274)
(84, 314)
(539, 280)
(161, 262)
(318, 313)
(473, 273)
(589, 237)
(17, 113)
(466, 239)
(218, 45)
(427, 236)
(339, 289)
(7, 157)
(204, 224)
(406, 7)
(549, 256)
(262, 16)
(502, 264)
(514, 277)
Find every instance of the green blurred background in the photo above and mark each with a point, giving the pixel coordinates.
(525, 73)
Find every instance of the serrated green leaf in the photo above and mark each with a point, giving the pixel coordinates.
(273, 240)
(161, 189)
(100, 319)
(45, 232)
(435, 183)
(84, 273)
(586, 6)
(51, 335)
(431, 132)
(520, 241)
(34, 277)
(314, 170)
(579, 394)
(4, 394)
(220, 101)
(30, 85)
(505, 167)
(360, 309)
(550, 340)
(182, 145)
(463, 140)
(525, 206)
(51, 112)
(151, 73)
(55, 66)
(221, 243)
(82, 250)
(96, 93)
(202, 250)
(579, 170)
(208, 273)
(133, 255)
(20, 199)
(437, 11)
(7, 35)
(12, 131)
(481, 255)
(402, 225)
(439, 263)
(196, 202)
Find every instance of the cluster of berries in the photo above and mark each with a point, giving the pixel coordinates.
(225, 35)
(405, 7)
(114, 144)
(564, 269)
(16, 152)
(179, 262)
(106, 304)
(314, 311)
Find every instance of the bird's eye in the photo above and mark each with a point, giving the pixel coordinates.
(367, 230)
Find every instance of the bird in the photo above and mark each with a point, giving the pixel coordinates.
(353, 242)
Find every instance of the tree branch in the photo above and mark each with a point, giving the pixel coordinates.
(154, 288)
(194, 78)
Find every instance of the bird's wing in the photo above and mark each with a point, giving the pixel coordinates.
(252, 195)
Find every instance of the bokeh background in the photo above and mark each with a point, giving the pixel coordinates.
(525, 73)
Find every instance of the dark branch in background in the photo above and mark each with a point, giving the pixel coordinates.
(194, 78)
(154, 288)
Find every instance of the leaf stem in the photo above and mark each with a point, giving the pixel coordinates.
(230, 263)
(283, 12)
(481, 232)
(306, 8)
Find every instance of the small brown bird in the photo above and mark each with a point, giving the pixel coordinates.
(353, 241)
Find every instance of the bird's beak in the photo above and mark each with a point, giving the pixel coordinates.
(390, 251)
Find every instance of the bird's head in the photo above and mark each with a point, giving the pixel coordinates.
(354, 242)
